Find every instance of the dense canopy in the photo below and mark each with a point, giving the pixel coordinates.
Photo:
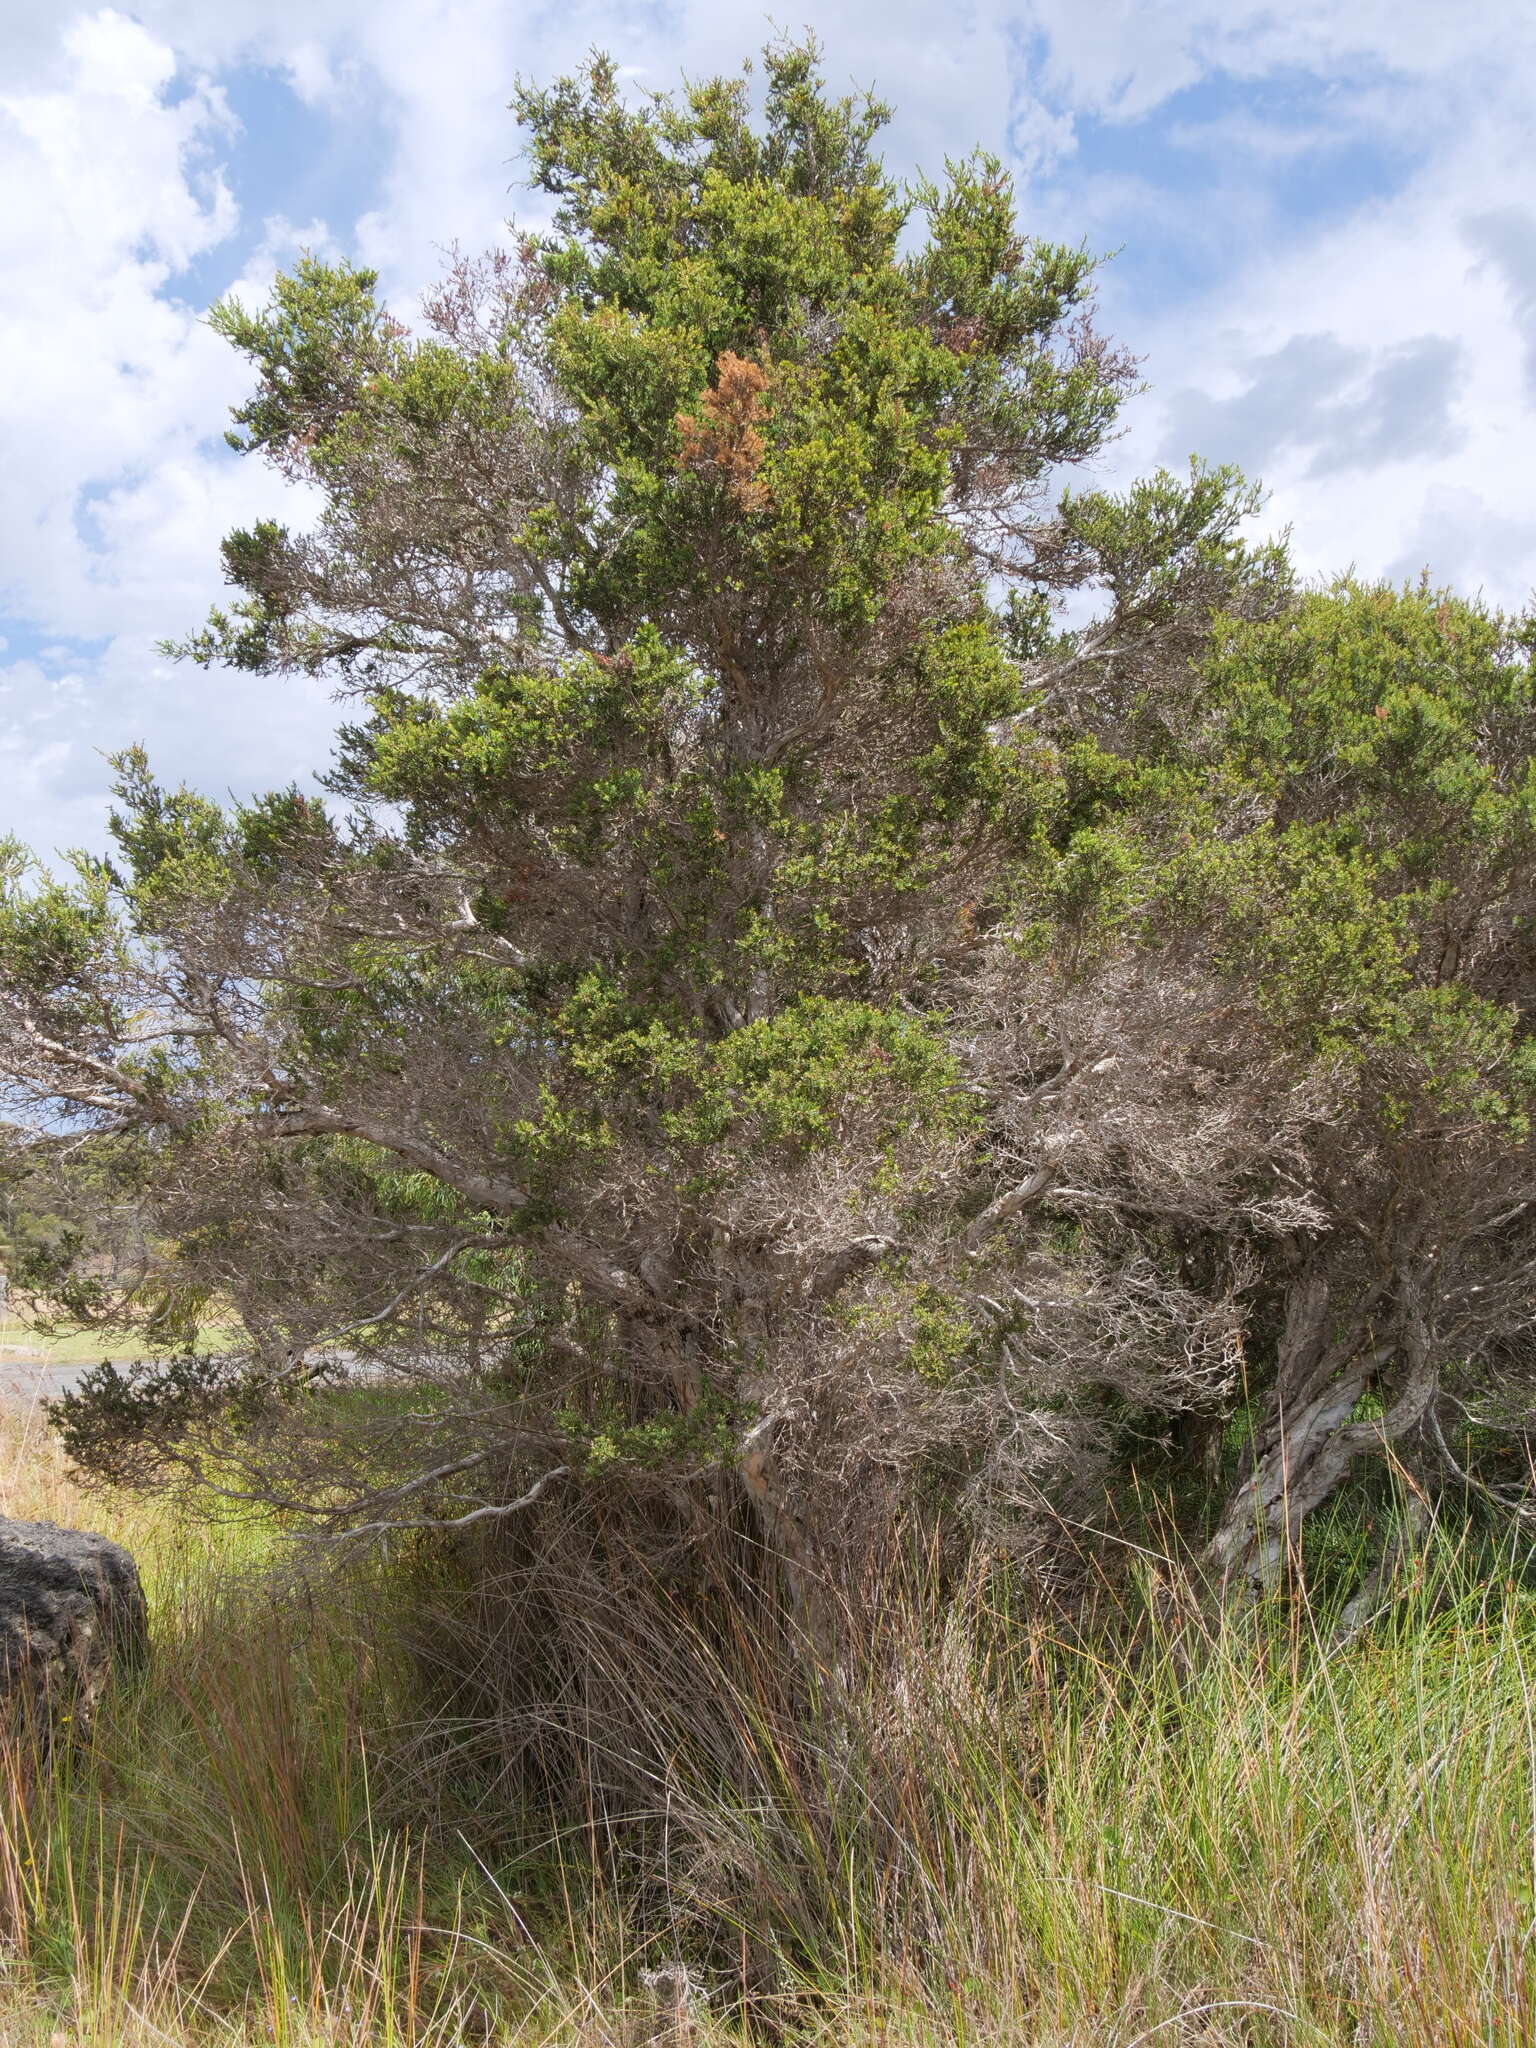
(849, 978)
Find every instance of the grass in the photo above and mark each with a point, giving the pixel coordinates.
(83, 1347)
(997, 1839)
(79, 1347)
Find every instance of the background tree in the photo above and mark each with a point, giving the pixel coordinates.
(1374, 893)
(1290, 937)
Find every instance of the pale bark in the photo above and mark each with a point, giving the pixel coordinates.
(1307, 1443)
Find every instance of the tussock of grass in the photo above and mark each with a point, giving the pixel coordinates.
(990, 1837)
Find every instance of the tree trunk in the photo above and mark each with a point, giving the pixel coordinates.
(783, 1538)
(781, 1528)
(1300, 1457)
(1307, 1443)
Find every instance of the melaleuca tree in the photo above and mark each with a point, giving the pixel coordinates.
(1287, 936)
(653, 1067)
(1379, 904)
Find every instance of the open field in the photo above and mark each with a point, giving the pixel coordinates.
(1006, 1842)
(19, 1342)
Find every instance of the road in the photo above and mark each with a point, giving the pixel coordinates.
(28, 1377)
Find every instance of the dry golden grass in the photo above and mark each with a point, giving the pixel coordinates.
(1266, 1846)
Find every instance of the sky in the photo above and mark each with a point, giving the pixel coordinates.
(1320, 219)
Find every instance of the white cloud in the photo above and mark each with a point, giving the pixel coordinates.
(1507, 237)
(1337, 406)
(105, 378)
(111, 406)
(59, 724)
(1120, 59)
(1381, 373)
(1375, 376)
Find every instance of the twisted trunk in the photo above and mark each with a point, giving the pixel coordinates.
(1306, 1442)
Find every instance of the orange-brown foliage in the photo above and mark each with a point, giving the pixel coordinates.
(723, 436)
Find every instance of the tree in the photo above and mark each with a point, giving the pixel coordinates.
(1293, 916)
(1376, 896)
(783, 1022)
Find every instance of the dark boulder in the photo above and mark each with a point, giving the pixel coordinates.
(71, 1608)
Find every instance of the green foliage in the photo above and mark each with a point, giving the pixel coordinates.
(745, 857)
(107, 1422)
(770, 395)
(317, 339)
(937, 1333)
(1386, 737)
(1165, 542)
(699, 1437)
(39, 1250)
(175, 844)
(786, 1083)
(1344, 816)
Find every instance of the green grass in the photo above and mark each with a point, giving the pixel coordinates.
(996, 1839)
(84, 1347)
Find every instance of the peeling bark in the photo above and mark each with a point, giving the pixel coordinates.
(1307, 1443)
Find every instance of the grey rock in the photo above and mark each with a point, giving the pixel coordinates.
(71, 1610)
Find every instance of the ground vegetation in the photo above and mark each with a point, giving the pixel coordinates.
(871, 1040)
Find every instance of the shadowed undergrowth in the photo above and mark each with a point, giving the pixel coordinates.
(300, 1828)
